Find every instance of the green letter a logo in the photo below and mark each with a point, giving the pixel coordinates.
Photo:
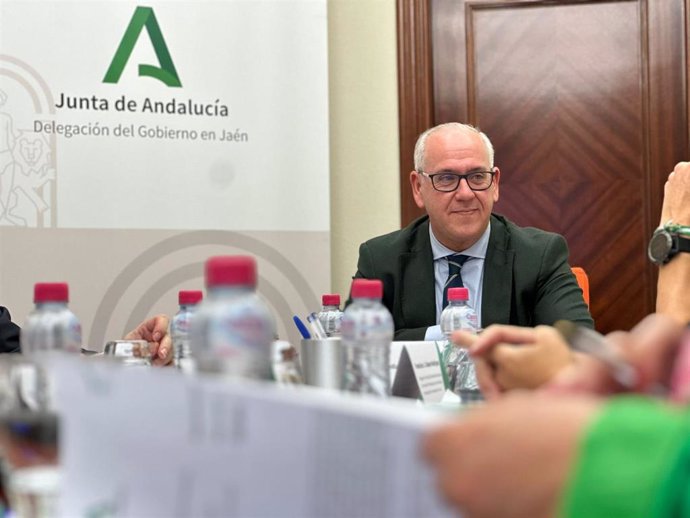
(143, 17)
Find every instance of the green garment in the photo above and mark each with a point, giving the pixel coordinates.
(634, 463)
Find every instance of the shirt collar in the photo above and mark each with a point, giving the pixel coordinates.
(478, 249)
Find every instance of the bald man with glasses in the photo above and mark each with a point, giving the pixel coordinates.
(515, 275)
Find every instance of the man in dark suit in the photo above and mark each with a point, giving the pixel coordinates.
(515, 275)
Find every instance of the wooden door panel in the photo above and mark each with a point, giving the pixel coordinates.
(586, 104)
(579, 170)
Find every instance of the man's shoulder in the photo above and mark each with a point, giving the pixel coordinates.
(5, 315)
(403, 238)
(9, 332)
(518, 236)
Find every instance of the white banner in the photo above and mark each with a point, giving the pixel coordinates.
(165, 117)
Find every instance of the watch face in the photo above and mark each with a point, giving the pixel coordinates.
(659, 247)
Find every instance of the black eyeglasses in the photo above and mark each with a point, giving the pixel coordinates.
(446, 181)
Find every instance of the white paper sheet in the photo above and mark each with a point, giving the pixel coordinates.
(150, 442)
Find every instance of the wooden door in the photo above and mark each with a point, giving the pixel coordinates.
(586, 103)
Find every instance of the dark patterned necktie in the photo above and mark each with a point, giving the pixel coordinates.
(454, 280)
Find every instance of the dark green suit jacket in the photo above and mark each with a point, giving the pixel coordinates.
(527, 278)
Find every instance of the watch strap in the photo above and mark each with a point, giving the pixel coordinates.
(683, 243)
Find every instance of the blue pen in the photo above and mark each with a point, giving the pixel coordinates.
(301, 328)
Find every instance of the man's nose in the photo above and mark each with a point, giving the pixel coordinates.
(463, 191)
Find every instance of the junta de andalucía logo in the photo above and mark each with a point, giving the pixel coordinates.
(144, 18)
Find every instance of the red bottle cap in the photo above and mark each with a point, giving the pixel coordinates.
(331, 299)
(231, 270)
(51, 292)
(189, 297)
(458, 294)
(367, 289)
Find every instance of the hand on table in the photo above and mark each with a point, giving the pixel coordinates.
(155, 331)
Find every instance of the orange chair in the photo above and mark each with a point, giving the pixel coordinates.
(582, 281)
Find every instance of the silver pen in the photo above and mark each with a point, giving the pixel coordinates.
(317, 330)
(590, 342)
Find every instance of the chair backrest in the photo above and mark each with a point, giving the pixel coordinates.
(582, 281)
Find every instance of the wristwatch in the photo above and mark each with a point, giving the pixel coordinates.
(665, 244)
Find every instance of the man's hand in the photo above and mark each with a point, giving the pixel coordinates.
(650, 347)
(511, 458)
(509, 357)
(676, 204)
(155, 332)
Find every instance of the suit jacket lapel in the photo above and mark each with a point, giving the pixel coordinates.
(498, 276)
(416, 274)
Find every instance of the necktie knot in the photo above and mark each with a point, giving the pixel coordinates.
(455, 263)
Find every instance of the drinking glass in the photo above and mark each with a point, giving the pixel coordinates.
(134, 353)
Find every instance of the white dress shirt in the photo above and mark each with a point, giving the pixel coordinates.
(472, 276)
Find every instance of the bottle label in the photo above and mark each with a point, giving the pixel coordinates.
(239, 347)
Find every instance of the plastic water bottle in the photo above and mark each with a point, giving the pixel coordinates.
(51, 326)
(330, 315)
(458, 315)
(179, 327)
(232, 331)
(367, 333)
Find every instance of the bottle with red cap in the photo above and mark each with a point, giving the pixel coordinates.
(233, 328)
(180, 326)
(330, 315)
(51, 326)
(367, 332)
(459, 315)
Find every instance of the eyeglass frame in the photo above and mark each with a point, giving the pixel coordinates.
(460, 178)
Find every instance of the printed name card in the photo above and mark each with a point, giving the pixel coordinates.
(416, 371)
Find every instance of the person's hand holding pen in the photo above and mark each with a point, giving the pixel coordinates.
(650, 349)
(641, 360)
(511, 357)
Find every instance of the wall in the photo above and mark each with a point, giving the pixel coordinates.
(363, 129)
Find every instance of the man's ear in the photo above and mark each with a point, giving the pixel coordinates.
(416, 183)
(497, 179)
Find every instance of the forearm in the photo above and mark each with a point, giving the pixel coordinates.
(673, 288)
(629, 463)
(673, 296)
